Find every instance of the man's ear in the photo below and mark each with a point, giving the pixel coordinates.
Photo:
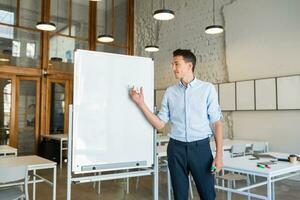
(190, 64)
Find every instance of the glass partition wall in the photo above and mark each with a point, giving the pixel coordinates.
(36, 67)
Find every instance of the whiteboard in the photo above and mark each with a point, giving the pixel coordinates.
(265, 94)
(245, 95)
(227, 96)
(288, 89)
(109, 131)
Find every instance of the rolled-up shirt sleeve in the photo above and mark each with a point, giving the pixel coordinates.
(213, 108)
(164, 113)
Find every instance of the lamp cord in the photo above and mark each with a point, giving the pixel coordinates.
(213, 11)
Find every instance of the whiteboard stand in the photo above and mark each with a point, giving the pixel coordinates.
(71, 178)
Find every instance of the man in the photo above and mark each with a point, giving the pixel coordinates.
(192, 108)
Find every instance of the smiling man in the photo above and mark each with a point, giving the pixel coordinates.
(193, 110)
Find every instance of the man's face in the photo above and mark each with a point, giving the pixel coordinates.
(180, 67)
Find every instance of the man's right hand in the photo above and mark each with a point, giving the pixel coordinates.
(137, 97)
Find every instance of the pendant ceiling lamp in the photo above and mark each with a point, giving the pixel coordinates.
(214, 29)
(45, 26)
(107, 38)
(163, 14)
(152, 47)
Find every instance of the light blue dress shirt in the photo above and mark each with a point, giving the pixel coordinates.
(191, 109)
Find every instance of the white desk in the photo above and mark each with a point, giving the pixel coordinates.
(278, 171)
(227, 144)
(33, 163)
(62, 138)
(6, 150)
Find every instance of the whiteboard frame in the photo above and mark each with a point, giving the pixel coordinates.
(85, 156)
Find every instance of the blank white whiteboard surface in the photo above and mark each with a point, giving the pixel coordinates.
(288, 89)
(227, 96)
(109, 131)
(265, 94)
(245, 95)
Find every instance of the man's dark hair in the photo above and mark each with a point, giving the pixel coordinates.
(187, 55)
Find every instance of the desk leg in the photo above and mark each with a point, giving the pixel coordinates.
(155, 179)
(61, 149)
(169, 183)
(54, 183)
(269, 188)
(228, 192)
(273, 191)
(33, 185)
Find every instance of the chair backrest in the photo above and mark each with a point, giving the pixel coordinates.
(258, 147)
(238, 150)
(226, 155)
(13, 173)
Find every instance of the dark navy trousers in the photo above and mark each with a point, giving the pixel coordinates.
(195, 158)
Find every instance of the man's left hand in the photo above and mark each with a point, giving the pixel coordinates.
(218, 162)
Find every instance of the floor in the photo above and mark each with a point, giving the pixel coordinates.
(115, 189)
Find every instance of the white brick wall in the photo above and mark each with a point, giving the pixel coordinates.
(185, 31)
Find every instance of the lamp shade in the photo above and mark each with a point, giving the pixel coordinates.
(106, 38)
(151, 48)
(56, 59)
(214, 29)
(45, 26)
(164, 14)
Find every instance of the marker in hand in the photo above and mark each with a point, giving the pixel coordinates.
(213, 169)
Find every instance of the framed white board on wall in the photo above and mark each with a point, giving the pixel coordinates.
(245, 95)
(227, 96)
(288, 89)
(109, 131)
(265, 94)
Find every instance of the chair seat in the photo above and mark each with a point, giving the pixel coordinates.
(233, 177)
(11, 193)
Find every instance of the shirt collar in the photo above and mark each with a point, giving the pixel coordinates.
(190, 84)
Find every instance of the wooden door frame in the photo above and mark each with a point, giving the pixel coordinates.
(68, 99)
(37, 109)
(12, 131)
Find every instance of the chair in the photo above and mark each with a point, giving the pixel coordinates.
(238, 150)
(12, 180)
(231, 178)
(258, 147)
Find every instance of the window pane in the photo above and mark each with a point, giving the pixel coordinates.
(26, 117)
(15, 49)
(60, 14)
(30, 12)
(80, 18)
(30, 50)
(111, 49)
(5, 110)
(64, 47)
(57, 108)
(8, 11)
